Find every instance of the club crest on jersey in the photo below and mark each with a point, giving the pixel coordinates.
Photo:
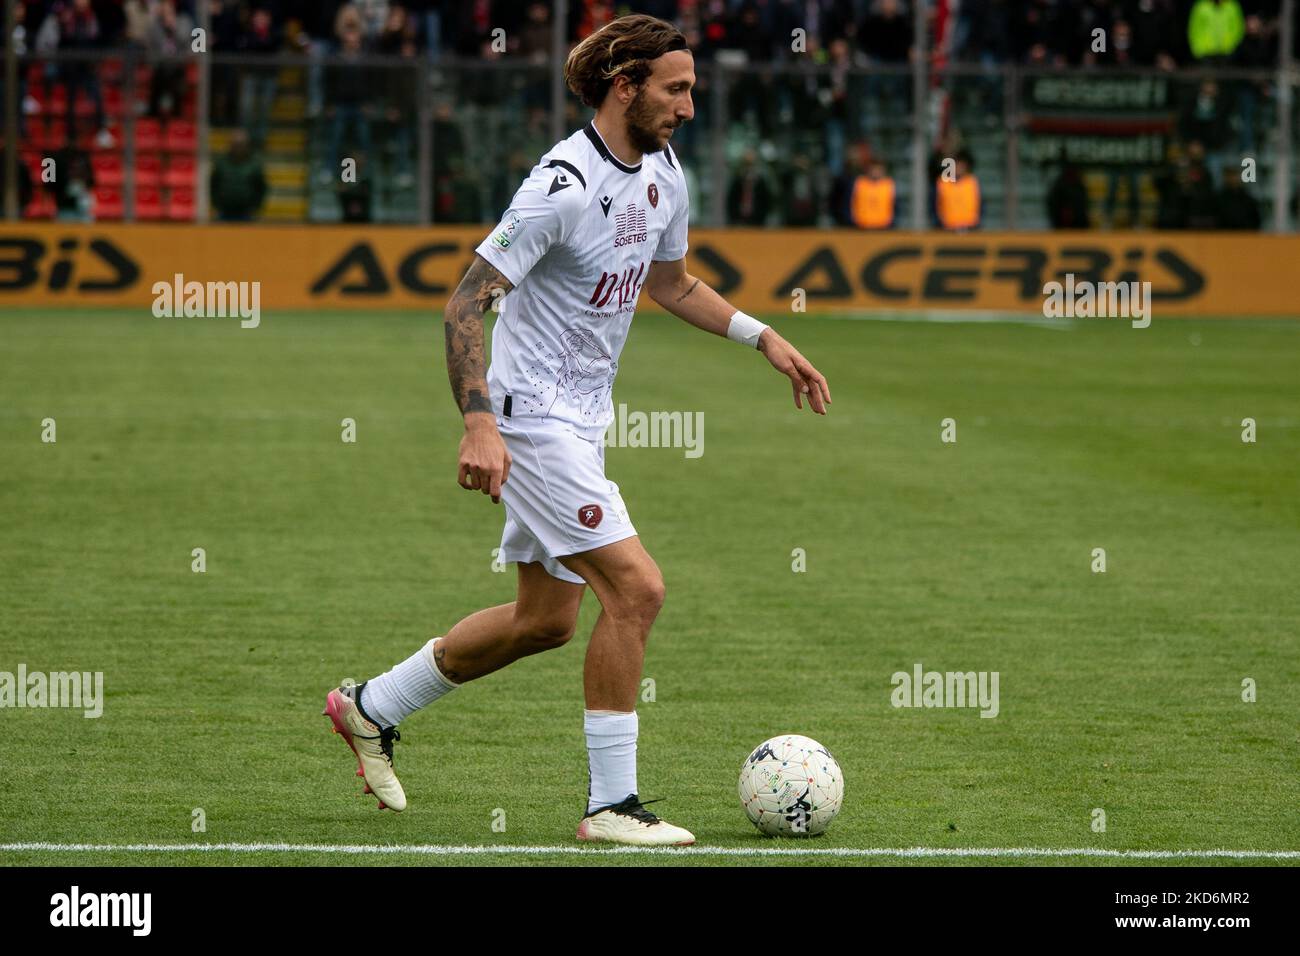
(511, 226)
(652, 193)
(590, 515)
(630, 226)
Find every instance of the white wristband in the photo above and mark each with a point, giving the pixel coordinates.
(745, 329)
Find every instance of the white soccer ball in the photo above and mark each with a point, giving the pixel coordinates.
(791, 786)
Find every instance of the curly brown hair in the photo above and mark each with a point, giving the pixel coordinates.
(622, 47)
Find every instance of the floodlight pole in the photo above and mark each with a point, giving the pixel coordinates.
(919, 59)
(11, 107)
(201, 107)
(1282, 169)
(559, 52)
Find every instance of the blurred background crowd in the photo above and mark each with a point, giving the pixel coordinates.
(808, 119)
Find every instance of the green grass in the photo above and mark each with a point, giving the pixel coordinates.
(327, 560)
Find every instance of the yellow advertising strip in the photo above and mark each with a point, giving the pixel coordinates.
(759, 270)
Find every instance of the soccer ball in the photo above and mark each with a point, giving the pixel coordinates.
(791, 786)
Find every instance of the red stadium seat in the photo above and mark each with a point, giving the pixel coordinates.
(148, 135)
(114, 103)
(181, 137)
(33, 134)
(31, 158)
(83, 106)
(180, 171)
(41, 206)
(107, 168)
(148, 169)
(109, 203)
(112, 71)
(148, 203)
(58, 100)
(180, 205)
(56, 135)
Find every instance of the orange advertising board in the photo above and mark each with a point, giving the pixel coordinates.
(759, 270)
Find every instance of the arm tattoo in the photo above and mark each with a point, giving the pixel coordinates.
(463, 325)
(688, 291)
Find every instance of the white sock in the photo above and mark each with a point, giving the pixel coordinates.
(416, 682)
(611, 756)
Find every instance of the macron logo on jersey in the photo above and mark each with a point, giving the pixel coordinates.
(630, 226)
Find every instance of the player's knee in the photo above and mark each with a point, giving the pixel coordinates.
(641, 598)
(543, 634)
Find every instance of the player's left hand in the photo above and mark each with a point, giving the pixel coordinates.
(805, 379)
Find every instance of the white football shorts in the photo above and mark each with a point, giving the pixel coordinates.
(557, 498)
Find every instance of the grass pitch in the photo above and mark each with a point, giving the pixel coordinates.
(1119, 691)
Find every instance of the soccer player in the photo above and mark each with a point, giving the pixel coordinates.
(602, 216)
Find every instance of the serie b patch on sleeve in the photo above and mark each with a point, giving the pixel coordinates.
(511, 226)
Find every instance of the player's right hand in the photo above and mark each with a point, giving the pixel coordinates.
(484, 461)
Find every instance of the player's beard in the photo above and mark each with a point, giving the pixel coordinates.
(642, 128)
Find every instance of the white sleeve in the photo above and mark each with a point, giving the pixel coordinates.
(538, 218)
(672, 244)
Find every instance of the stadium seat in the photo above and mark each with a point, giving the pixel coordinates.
(180, 171)
(41, 206)
(85, 138)
(56, 135)
(114, 102)
(107, 168)
(148, 135)
(108, 203)
(31, 158)
(148, 203)
(181, 137)
(57, 103)
(32, 135)
(83, 106)
(180, 205)
(148, 169)
(112, 72)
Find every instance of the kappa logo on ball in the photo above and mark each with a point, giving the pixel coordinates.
(590, 515)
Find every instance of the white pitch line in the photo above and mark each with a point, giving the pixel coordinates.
(464, 850)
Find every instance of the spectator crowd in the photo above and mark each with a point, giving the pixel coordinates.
(840, 176)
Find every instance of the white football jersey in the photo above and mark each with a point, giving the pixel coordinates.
(576, 244)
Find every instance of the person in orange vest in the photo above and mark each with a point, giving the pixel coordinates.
(957, 201)
(874, 199)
